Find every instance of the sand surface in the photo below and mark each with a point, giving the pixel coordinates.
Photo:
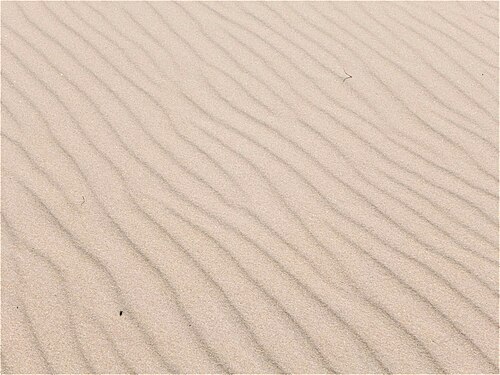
(249, 187)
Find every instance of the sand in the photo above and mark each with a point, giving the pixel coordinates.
(249, 187)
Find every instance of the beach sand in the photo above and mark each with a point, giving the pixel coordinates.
(300, 187)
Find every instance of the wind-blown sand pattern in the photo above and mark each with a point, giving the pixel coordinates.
(249, 187)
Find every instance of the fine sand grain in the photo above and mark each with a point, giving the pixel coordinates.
(273, 187)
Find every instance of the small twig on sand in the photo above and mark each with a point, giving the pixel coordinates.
(350, 76)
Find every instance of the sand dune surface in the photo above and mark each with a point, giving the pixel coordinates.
(249, 187)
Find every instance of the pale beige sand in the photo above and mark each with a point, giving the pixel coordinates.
(250, 187)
